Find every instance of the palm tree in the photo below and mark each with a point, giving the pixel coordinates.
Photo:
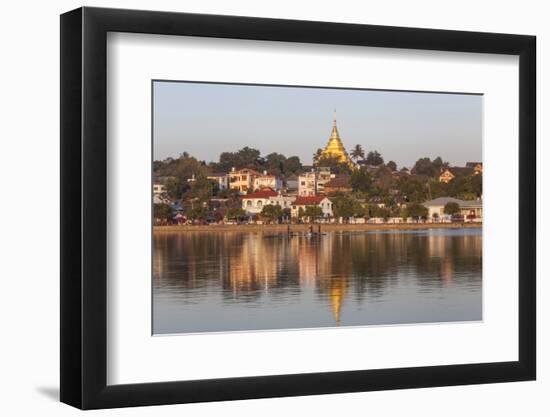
(357, 152)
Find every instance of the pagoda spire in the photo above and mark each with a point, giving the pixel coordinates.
(335, 147)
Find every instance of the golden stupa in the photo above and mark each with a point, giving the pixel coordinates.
(335, 147)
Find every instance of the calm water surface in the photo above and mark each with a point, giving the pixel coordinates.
(227, 281)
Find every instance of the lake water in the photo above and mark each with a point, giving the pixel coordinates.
(228, 281)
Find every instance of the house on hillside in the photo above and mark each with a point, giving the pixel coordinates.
(158, 188)
(307, 184)
(220, 178)
(291, 184)
(476, 166)
(449, 174)
(340, 183)
(267, 181)
(242, 179)
(319, 200)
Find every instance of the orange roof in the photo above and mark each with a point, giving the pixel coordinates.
(263, 193)
(308, 201)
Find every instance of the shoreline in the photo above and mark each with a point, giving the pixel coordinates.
(282, 228)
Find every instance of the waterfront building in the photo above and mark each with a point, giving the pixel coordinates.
(303, 202)
(253, 203)
(220, 178)
(267, 181)
(283, 201)
(469, 209)
(335, 147)
(242, 179)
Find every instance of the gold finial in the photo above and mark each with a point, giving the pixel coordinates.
(334, 118)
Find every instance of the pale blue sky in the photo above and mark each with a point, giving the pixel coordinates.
(207, 119)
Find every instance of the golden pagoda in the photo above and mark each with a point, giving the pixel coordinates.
(335, 147)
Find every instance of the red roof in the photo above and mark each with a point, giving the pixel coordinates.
(264, 193)
(308, 201)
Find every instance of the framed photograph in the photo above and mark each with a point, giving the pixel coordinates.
(258, 208)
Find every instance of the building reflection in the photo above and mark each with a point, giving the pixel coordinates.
(337, 267)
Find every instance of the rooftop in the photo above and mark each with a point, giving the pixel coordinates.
(263, 193)
(441, 201)
(309, 201)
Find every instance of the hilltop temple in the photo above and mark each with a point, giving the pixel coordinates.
(335, 147)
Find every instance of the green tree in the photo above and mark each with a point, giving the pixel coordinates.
(272, 212)
(317, 155)
(333, 162)
(392, 165)
(451, 208)
(197, 213)
(162, 211)
(360, 180)
(412, 189)
(275, 163)
(416, 211)
(292, 165)
(235, 213)
(313, 212)
(357, 152)
(374, 158)
(344, 205)
(201, 189)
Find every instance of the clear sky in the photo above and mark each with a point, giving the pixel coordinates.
(207, 119)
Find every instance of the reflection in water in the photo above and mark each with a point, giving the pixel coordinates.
(251, 281)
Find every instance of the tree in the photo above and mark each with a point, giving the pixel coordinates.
(412, 189)
(357, 152)
(416, 211)
(272, 212)
(245, 157)
(201, 189)
(451, 208)
(392, 165)
(274, 163)
(317, 155)
(162, 211)
(235, 213)
(333, 162)
(292, 165)
(424, 166)
(374, 158)
(360, 180)
(313, 212)
(346, 206)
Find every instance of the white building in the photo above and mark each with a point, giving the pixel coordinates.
(267, 181)
(469, 209)
(158, 188)
(303, 202)
(307, 184)
(254, 203)
(285, 202)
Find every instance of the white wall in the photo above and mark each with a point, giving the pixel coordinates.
(29, 233)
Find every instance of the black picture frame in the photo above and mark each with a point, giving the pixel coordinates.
(84, 207)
